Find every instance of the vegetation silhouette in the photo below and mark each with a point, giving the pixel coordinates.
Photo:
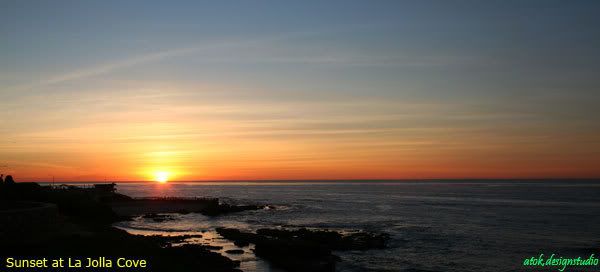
(9, 180)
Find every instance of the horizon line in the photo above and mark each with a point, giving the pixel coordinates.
(329, 180)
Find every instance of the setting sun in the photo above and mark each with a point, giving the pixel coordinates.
(161, 176)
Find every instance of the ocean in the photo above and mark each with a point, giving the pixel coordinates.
(434, 225)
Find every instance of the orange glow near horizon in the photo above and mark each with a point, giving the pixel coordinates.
(166, 153)
(244, 140)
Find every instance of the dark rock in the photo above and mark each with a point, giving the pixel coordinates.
(239, 238)
(114, 197)
(331, 239)
(235, 251)
(220, 209)
(364, 241)
(209, 247)
(303, 249)
(120, 243)
(295, 254)
(241, 243)
(158, 217)
(86, 231)
(203, 259)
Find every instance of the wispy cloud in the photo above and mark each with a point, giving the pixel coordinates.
(164, 54)
(109, 67)
(112, 66)
(270, 51)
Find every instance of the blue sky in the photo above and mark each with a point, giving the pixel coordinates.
(417, 84)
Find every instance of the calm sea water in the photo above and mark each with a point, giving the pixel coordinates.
(435, 226)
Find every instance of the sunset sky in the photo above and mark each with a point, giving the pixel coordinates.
(131, 90)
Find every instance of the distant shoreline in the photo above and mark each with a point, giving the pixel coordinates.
(336, 181)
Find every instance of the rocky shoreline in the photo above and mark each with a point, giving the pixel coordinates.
(206, 206)
(84, 227)
(303, 249)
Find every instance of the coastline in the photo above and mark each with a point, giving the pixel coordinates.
(82, 225)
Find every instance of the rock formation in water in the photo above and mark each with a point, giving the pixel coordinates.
(303, 249)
